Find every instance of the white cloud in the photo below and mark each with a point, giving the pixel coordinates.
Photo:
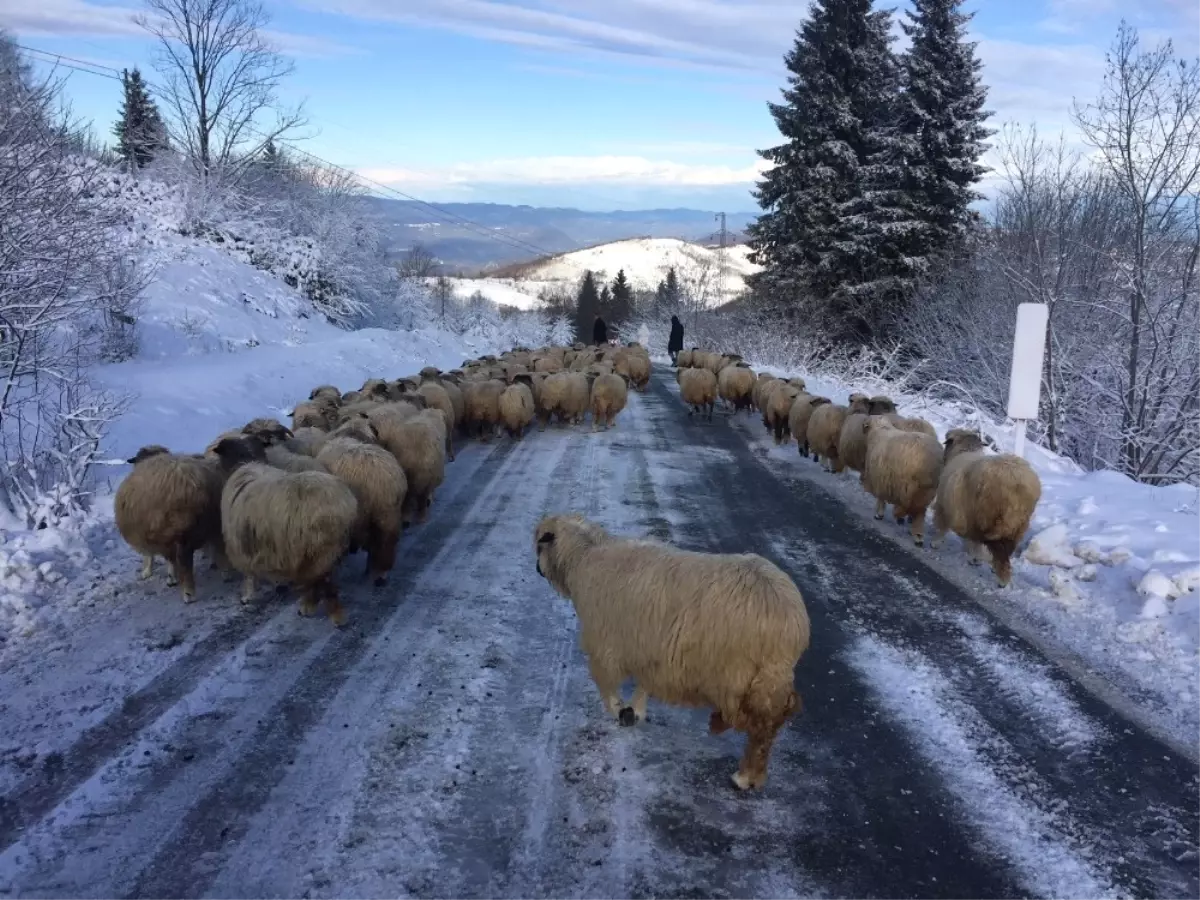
(561, 170)
(67, 17)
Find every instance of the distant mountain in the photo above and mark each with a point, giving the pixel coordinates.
(475, 237)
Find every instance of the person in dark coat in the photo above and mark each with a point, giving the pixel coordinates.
(675, 344)
(599, 331)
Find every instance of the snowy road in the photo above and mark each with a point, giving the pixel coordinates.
(450, 743)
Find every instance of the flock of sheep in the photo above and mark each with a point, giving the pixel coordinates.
(353, 470)
(717, 631)
(987, 500)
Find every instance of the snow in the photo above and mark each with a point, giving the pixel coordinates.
(1110, 569)
(645, 261)
(221, 341)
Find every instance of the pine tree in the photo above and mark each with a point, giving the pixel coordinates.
(942, 119)
(621, 303)
(139, 131)
(605, 302)
(671, 293)
(832, 222)
(586, 307)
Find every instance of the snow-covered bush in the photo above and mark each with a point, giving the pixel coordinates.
(69, 280)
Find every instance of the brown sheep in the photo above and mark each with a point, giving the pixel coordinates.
(573, 405)
(985, 500)
(417, 442)
(903, 468)
(170, 506)
(852, 441)
(760, 388)
(609, 396)
(290, 527)
(516, 407)
(779, 407)
(824, 431)
(283, 458)
(736, 385)
(698, 389)
(799, 416)
(306, 440)
(482, 407)
(380, 487)
(720, 631)
(326, 391)
(437, 397)
(320, 412)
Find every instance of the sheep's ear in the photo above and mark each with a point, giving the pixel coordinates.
(288, 432)
(546, 539)
(374, 430)
(987, 439)
(133, 460)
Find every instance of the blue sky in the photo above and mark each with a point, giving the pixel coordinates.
(601, 104)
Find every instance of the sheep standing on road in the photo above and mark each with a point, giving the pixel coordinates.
(824, 432)
(736, 385)
(516, 406)
(903, 468)
(698, 388)
(290, 527)
(799, 416)
(986, 500)
(692, 629)
(609, 395)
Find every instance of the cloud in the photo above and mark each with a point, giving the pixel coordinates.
(568, 170)
(57, 18)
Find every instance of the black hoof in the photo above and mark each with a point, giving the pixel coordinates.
(626, 717)
(879, 518)
(380, 581)
(281, 589)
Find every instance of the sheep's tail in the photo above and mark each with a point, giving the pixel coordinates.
(770, 697)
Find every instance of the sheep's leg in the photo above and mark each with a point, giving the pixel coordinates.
(310, 599)
(172, 577)
(449, 445)
(220, 560)
(187, 574)
(880, 506)
(608, 683)
(638, 704)
(247, 589)
(1002, 552)
(917, 528)
(762, 717)
(717, 723)
(939, 528)
(334, 609)
(147, 566)
(381, 556)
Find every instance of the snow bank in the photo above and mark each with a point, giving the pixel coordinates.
(1111, 567)
(221, 341)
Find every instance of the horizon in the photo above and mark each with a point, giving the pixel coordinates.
(628, 107)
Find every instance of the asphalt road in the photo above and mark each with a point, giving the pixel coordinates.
(449, 742)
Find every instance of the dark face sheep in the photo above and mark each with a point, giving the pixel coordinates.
(146, 452)
(964, 440)
(236, 452)
(880, 405)
(269, 431)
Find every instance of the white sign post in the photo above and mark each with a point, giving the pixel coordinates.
(1025, 380)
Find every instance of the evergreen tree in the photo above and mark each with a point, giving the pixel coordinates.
(941, 120)
(833, 224)
(621, 303)
(605, 302)
(671, 289)
(660, 296)
(586, 307)
(139, 131)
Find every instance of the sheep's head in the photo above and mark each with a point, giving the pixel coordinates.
(963, 440)
(358, 427)
(859, 405)
(876, 424)
(818, 401)
(269, 431)
(146, 453)
(557, 543)
(351, 397)
(325, 390)
(857, 396)
(236, 452)
(523, 378)
(880, 405)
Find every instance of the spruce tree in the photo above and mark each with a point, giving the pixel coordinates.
(621, 304)
(672, 294)
(832, 224)
(586, 307)
(139, 131)
(942, 119)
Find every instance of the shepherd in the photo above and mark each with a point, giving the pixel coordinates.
(599, 332)
(675, 344)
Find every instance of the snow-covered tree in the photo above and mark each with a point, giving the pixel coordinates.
(587, 306)
(139, 130)
(562, 332)
(620, 304)
(941, 119)
(832, 227)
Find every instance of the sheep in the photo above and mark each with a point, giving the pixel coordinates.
(516, 406)
(293, 527)
(269, 431)
(320, 412)
(283, 458)
(482, 413)
(692, 629)
(912, 424)
(880, 405)
(759, 390)
(380, 488)
(574, 404)
(170, 506)
(985, 500)
(799, 416)
(698, 389)
(549, 398)
(430, 373)
(683, 359)
(764, 399)
(736, 385)
(852, 440)
(902, 468)
(549, 365)
(326, 391)
(824, 431)
(306, 440)
(633, 362)
(779, 407)
(417, 443)
(437, 397)
(609, 395)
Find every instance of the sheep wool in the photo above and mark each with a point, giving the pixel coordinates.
(824, 431)
(985, 500)
(516, 408)
(609, 396)
(902, 468)
(692, 629)
(698, 389)
(799, 417)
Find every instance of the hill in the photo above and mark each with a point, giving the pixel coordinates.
(492, 233)
(701, 269)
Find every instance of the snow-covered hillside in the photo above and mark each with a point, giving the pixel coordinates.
(220, 341)
(713, 275)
